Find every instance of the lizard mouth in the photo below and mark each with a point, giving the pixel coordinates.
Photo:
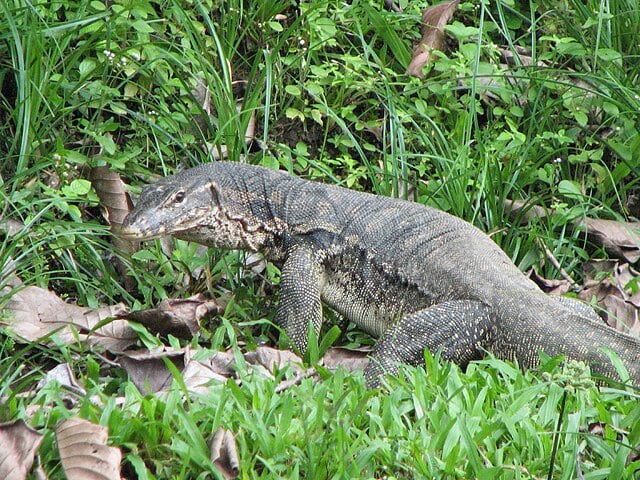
(132, 234)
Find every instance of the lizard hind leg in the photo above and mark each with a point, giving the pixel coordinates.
(458, 329)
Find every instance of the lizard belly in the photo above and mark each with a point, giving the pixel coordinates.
(365, 295)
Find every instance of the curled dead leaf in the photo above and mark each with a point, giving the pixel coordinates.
(273, 359)
(348, 358)
(149, 372)
(84, 452)
(63, 376)
(523, 211)
(112, 193)
(434, 19)
(178, 317)
(36, 313)
(612, 286)
(619, 239)
(224, 453)
(116, 202)
(551, 286)
(19, 444)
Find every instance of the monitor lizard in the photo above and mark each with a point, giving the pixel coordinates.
(413, 276)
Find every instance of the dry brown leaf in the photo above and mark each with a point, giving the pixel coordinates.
(350, 359)
(18, 446)
(224, 453)
(63, 376)
(8, 278)
(551, 286)
(619, 239)
(434, 19)
(608, 281)
(178, 317)
(35, 313)
(632, 204)
(523, 211)
(148, 370)
(391, 5)
(199, 377)
(224, 363)
(203, 96)
(116, 202)
(112, 193)
(273, 359)
(84, 452)
(10, 226)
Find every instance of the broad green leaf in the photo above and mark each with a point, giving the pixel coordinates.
(570, 188)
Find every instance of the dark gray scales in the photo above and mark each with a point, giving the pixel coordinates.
(410, 275)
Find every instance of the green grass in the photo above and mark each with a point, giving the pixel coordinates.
(491, 422)
(86, 84)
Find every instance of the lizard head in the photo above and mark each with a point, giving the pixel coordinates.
(203, 204)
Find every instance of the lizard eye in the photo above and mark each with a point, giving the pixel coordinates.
(179, 197)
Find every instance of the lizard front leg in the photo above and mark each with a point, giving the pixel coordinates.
(459, 329)
(300, 308)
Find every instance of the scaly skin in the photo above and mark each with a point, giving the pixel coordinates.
(410, 275)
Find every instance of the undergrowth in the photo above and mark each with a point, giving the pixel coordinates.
(536, 101)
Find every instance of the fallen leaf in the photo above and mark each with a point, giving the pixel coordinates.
(610, 283)
(391, 5)
(199, 377)
(116, 202)
(10, 226)
(84, 452)
(273, 359)
(523, 211)
(18, 446)
(223, 363)
(178, 317)
(112, 193)
(348, 358)
(434, 19)
(63, 376)
(202, 94)
(8, 278)
(619, 239)
(35, 313)
(551, 286)
(224, 453)
(148, 370)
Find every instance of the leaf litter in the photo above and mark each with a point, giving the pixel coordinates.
(37, 314)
